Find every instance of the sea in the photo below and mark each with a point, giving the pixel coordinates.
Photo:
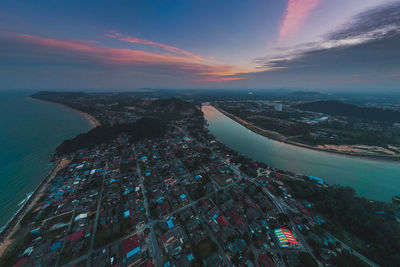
(30, 131)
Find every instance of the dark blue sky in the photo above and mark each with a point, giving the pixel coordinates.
(313, 44)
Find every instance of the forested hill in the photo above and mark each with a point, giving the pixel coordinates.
(349, 110)
(174, 105)
(141, 129)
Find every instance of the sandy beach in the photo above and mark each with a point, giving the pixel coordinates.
(13, 224)
(340, 149)
(93, 121)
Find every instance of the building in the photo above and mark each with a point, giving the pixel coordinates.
(316, 179)
(278, 106)
(285, 238)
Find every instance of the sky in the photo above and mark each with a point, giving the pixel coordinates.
(323, 45)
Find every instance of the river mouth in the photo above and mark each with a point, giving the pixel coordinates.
(373, 179)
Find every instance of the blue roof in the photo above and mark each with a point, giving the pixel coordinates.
(55, 246)
(170, 223)
(128, 190)
(126, 213)
(132, 252)
(317, 179)
(35, 231)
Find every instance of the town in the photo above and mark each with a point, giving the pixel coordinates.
(181, 200)
(322, 125)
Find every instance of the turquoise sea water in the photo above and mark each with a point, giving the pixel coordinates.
(373, 179)
(30, 130)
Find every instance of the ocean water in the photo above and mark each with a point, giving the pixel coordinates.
(30, 130)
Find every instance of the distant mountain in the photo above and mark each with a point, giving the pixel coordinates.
(349, 110)
(308, 95)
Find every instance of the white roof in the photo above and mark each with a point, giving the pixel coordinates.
(81, 216)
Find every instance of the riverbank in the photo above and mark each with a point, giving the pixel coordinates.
(93, 121)
(13, 224)
(280, 138)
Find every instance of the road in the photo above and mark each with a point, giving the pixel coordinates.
(96, 221)
(154, 248)
(352, 251)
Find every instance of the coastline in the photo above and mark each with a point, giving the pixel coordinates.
(13, 223)
(278, 137)
(93, 121)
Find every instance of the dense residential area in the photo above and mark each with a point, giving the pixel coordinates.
(154, 188)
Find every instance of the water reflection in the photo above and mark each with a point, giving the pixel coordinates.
(373, 179)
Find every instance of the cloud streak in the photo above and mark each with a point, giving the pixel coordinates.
(379, 23)
(168, 48)
(296, 14)
(175, 64)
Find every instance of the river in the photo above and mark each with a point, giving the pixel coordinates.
(373, 179)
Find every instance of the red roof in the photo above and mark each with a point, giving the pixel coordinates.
(129, 244)
(305, 212)
(265, 261)
(165, 206)
(75, 236)
(221, 220)
(170, 181)
(235, 217)
(20, 262)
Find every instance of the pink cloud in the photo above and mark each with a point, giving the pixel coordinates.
(177, 62)
(171, 49)
(297, 12)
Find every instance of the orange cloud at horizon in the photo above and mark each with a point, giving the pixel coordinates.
(297, 12)
(205, 70)
(219, 79)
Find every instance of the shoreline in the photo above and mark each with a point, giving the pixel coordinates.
(93, 121)
(273, 136)
(13, 224)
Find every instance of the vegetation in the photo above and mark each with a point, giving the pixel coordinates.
(342, 208)
(307, 260)
(351, 130)
(205, 249)
(143, 128)
(345, 259)
(349, 110)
